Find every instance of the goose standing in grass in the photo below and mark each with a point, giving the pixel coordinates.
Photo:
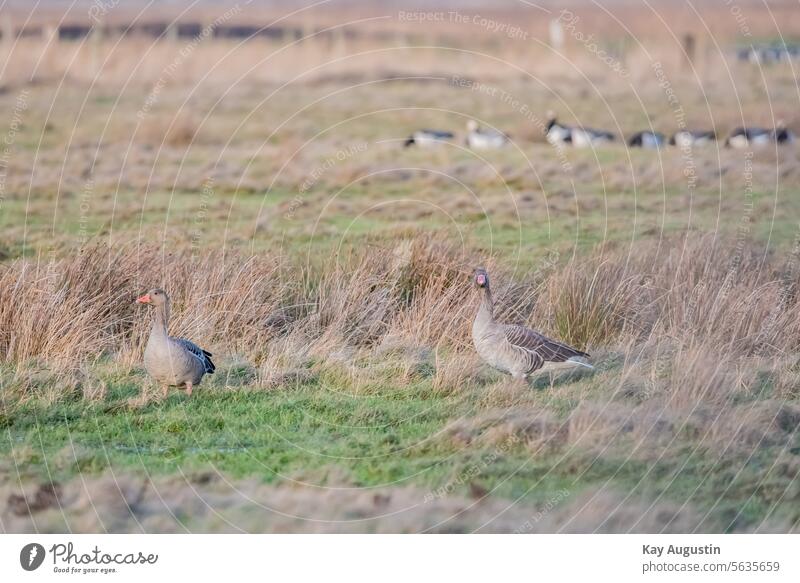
(590, 137)
(484, 139)
(579, 137)
(172, 362)
(648, 140)
(556, 133)
(783, 135)
(691, 138)
(427, 138)
(513, 349)
(749, 138)
(759, 137)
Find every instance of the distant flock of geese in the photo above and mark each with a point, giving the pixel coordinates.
(558, 134)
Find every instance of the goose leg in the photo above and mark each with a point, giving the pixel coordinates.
(520, 378)
(164, 391)
(188, 389)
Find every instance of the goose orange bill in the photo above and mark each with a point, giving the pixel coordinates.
(145, 299)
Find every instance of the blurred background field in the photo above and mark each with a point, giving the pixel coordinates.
(249, 157)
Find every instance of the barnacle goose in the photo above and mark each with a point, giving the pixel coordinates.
(647, 139)
(557, 133)
(484, 139)
(690, 138)
(579, 137)
(427, 138)
(758, 137)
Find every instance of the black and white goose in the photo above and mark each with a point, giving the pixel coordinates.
(579, 137)
(428, 138)
(484, 139)
(760, 137)
(648, 140)
(692, 138)
(784, 135)
(586, 137)
(556, 133)
(749, 138)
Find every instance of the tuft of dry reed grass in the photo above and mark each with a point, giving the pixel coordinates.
(699, 294)
(700, 305)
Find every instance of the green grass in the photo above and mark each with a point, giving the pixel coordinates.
(319, 432)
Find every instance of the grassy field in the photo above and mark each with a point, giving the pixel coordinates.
(327, 268)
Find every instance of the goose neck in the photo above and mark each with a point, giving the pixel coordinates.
(486, 309)
(160, 319)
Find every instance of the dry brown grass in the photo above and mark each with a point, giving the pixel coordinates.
(540, 431)
(590, 301)
(714, 304)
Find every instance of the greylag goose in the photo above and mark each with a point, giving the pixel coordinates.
(484, 139)
(513, 349)
(172, 362)
(578, 137)
(648, 140)
(691, 138)
(427, 138)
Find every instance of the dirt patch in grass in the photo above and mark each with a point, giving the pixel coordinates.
(209, 502)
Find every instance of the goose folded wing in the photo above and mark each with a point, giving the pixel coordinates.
(545, 347)
(203, 355)
(438, 134)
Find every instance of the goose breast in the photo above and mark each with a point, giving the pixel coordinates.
(171, 362)
(494, 347)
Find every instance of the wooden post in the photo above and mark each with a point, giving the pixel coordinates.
(50, 34)
(689, 50)
(95, 39)
(49, 44)
(556, 35)
(339, 42)
(8, 31)
(309, 40)
(171, 34)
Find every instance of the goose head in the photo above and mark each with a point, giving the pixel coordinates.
(155, 297)
(472, 126)
(481, 278)
(551, 119)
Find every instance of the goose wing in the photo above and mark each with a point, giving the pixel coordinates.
(548, 349)
(439, 134)
(203, 355)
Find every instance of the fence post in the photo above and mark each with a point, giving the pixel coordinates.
(8, 31)
(689, 50)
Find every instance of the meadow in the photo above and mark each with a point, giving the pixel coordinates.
(328, 269)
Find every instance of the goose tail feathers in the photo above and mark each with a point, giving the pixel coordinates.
(579, 361)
